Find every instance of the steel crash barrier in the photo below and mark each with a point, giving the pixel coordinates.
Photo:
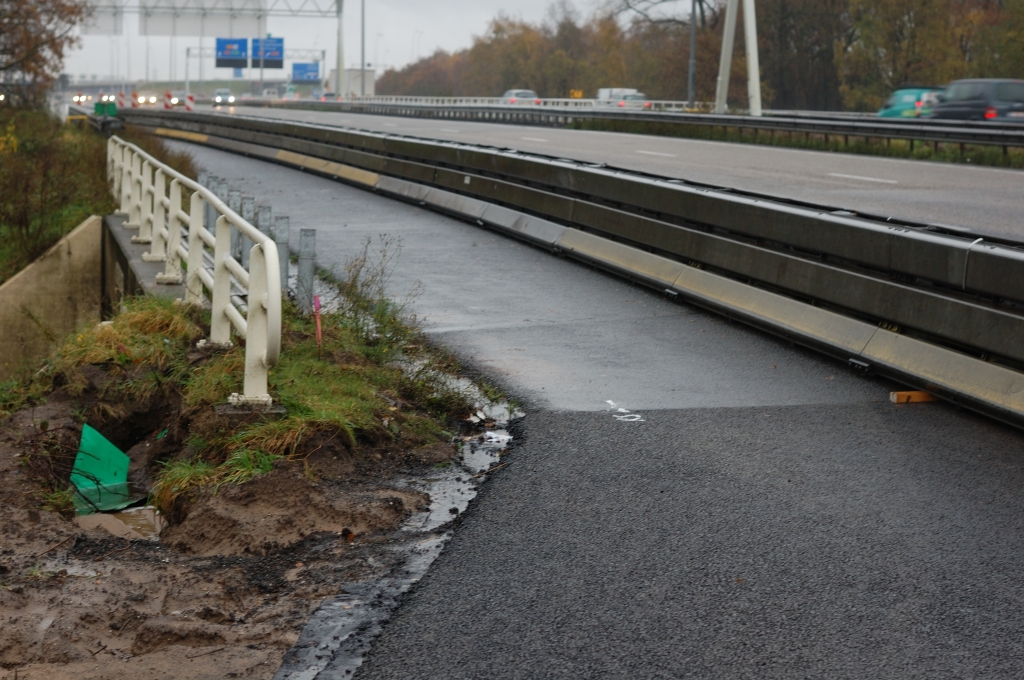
(563, 112)
(190, 229)
(926, 304)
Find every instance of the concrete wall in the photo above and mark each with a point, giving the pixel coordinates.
(51, 298)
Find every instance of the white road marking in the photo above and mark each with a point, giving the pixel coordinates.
(623, 415)
(390, 125)
(863, 179)
(533, 139)
(656, 153)
(448, 130)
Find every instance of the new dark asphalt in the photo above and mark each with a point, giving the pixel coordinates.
(854, 541)
(771, 515)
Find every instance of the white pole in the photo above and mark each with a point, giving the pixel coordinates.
(187, 50)
(127, 51)
(753, 63)
(362, 53)
(202, 32)
(340, 66)
(725, 63)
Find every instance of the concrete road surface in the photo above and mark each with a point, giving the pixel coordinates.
(984, 200)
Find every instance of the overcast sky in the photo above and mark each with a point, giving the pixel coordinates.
(397, 31)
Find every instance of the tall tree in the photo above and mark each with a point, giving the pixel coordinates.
(34, 34)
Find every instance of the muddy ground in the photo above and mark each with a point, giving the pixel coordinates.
(223, 594)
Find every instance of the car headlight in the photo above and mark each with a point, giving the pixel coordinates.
(142, 100)
(174, 100)
(231, 99)
(152, 100)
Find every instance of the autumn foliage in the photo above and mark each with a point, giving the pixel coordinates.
(815, 54)
(34, 34)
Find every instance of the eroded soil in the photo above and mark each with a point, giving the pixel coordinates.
(226, 591)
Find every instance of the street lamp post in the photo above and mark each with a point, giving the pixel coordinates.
(362, 52)
(339, 68)
(692, 76)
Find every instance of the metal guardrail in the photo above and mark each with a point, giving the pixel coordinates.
(553, 114)
(153, 195)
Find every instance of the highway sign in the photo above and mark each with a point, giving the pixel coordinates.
(306, 71)
(232, 52)
(273, 52)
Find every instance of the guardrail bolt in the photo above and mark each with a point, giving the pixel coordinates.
(282, 232)
(307, 263)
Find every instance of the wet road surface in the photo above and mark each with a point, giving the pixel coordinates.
(984, 200)
(760, 511)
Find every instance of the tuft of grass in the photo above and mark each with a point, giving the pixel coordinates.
(60, 502)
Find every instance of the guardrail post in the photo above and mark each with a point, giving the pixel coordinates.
(282, 229)
(307, 265)
(135, 202)
(220, 324)
(172, 271)
(145, 234)
(264, 219)
(198, 207)
(234, 200)
(126, 179)
(255, 391)
(158, 223)
(248, 211)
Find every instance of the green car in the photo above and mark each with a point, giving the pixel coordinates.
(910, 102)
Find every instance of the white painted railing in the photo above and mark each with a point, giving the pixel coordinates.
(152, 195)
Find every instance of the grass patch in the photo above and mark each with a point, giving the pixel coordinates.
(373, 384)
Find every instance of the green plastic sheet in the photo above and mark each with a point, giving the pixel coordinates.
(100, 476)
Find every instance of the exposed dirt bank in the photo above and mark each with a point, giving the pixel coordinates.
(226, 591)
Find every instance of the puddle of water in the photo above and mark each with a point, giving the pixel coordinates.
(338, 636)
(146, 521)
(133, 524)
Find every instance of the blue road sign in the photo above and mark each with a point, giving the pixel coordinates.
(306, 72)
(238, 73)
(232, 52)
(273, 52)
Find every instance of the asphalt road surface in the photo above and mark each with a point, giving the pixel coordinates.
(755, 511)
(984, 200)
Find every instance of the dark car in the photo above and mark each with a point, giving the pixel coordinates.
(982, 99)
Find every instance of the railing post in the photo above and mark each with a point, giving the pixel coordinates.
(257, 330)
(145, 234)
(307, 267)
(282, 229)
(126, 180)
(234, 201)
(220, 324)
(158, 237)
(135, 206)
(172, 271)
(248, 213)
(194, 284)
